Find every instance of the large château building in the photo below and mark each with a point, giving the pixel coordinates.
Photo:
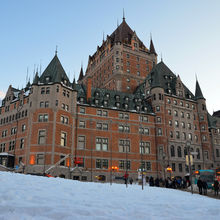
(126, 113)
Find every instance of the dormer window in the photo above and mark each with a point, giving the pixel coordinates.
(126, 99)
(165, 77)
(65, 81)
(47, 79)
(105, 103)
(145, 109)
(96, 101)
(107, 95)
(117, 104)
(138, 108)
(97, 94)
(117, 97)
(126, 106)
(81, 100)
(171, 77)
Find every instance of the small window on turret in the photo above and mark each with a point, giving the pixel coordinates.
(47, 79)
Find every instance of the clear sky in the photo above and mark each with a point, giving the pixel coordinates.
(186, 33)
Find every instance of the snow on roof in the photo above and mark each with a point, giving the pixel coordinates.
(6, 154)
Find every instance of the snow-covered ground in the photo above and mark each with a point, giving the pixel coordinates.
(26, 197)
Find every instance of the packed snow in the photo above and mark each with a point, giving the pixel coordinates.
(26, 197)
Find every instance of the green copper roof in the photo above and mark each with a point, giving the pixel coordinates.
(54, 73)
(198, 93)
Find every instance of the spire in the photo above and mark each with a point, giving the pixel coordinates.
(36, 78)
(123, 15)
(81, 74)
(56, 51)
(198, 93)
(152, 50)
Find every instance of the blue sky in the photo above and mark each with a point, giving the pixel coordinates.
(187, 33)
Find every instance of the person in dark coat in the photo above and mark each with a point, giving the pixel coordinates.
(157, 183)
(199, 184)
(204, 186)
(131, 180)
(151, 181)
(216, 187)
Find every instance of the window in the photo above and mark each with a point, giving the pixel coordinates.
(41, 136)
(124, 128)
(143, 118)
(171, 134)
(145, 131)
(63, 139)
(124, 146)
(123, 115)
(81, 142)
(175, 102)
(198, 153)
(217, 153)
(206, 155)
(189, 126)
(40, 159)
(101, 163)
(159, 131)
(190, 136)
(2, 147)
(169, 112)
(180, 168)
(170, 122)
(64, 119)
(13, 130)
(201, 117)
(177, 124)
(48, 90)
(82, 124)
(177, 134)
(46, 104)
(182, 115)
(188, 115)
(175, 113)
(173, 167)
(144, 147)
(42, 90)
(122, 164)
(158, 119)
(11, 145)
(145, 165)
(168, 101)
(127, 55)
(43, 117)
(157, 108)
(181, 103)
(179, 151)
(22, 143)
(102, 144)
(204, 138)
(82, 110)
(172, 151)
(184, 136)
(23, 127)
(102, 113)
(41, 104)
(187, 105)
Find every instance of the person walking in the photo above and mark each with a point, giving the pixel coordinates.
(204, 186)
(216, 187)
(199, 184)
(131, 180)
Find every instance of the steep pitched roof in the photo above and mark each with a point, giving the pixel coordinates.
(152, 49)
(54, 72)
(123, 33)
(161, 76)
(198, 93)
(80, 75)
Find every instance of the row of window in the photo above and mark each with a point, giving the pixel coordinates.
(13, 130)
(11, 145)
(204, 138)
(180, 103)
(13, 117)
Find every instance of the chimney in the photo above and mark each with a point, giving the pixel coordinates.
(89, 88)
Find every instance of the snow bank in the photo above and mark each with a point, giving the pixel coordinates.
(26, 197)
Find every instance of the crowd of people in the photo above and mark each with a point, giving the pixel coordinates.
(183, 183)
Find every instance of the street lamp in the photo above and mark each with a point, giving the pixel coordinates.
(189, 160)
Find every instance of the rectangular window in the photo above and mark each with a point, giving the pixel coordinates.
(63, 139)
(101, 163)
(124, 146)
(48, 90)
(23, 127)
(41, 136)
(122, 164)
(102, 144)
(173, 167)
(180, 167)
(82, 124)
(46, 104)
(144, 147)
(82, 110)
(40, 159)
(41, 104)
(22, 143)
(217, 153)
(81, 142)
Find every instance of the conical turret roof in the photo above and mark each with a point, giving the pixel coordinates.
(198, 93)
(54, 72)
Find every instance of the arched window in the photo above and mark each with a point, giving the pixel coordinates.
(172, 151)
(185, 151)
(179, 151)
